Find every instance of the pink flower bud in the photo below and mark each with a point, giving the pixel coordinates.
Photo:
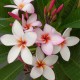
(53, 12)
(51, 4)
(26, 15)
(11, 24)
(45, 10)
(14, 16)
(60, 8)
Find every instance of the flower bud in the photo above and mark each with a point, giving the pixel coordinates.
(51, 4)
(53, 12)
(60, 8)
(45, 11)
(14, 16)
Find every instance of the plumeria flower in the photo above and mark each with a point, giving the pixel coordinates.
(68, 41)
(20, 42)
(31, 22)
(23, 5)
(42, 65)
(48, 37)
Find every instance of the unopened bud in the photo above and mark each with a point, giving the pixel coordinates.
(60, 8)
(51, 4)
(45, 11)
(14, 16)
(53, 12)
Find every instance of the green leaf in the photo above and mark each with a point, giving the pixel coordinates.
(11, 71)
(3, 53)
(5, 25)
(73, 20)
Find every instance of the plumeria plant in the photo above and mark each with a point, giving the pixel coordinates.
(41, 33)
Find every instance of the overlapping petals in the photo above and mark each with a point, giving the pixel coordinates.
(24, 5)
(20, 41)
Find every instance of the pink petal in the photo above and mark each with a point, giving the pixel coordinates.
(37, 23)
(32, 19)
(49, 29)
(47, 48)
(29, 8)
(57, 39)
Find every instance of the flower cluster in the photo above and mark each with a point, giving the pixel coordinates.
(30, 32)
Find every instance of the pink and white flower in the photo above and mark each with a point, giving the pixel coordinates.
(48, 37)
(20, 42)
(68, 41)
(31, 22)
(23, 5)
(42, 65)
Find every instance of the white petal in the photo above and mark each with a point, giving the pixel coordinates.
(15, 11)
(32, 19)
(50, 60)
(48, 73)
(56, 49)
(29, 8)
(13, 53)
(17, 2)
(37, 23)
(34, 61)
(39, 54)
(11, 6)
(57, 39)
(30, 37)
(47, 48)
(36, 72)
(65, 53)
(48, 28)
(67, 32)
(71, 41)
(26, 56)
(27, 1)
(17, 29)
(8, 40)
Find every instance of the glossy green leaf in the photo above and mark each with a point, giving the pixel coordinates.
(11, 71)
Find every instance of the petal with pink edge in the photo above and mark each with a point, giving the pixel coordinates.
(57, 39)
(49, 29)
(32, 19)
(36, 72)
(13, 53)
(47, 48)
(37, 23)
(48, 73)
(29, 8)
